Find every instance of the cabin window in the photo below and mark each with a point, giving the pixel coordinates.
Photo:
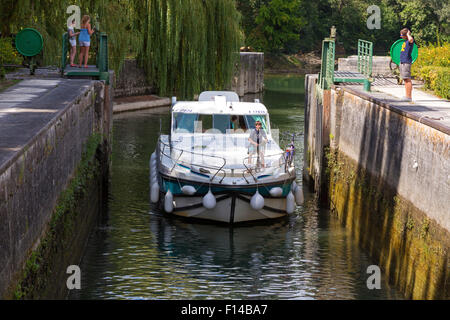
(184, 122)
(221, 122)
(203, 123)
(224, 123)
(238, 124)
(251, 119)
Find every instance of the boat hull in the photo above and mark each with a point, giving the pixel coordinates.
(230, 208)
(233, 203)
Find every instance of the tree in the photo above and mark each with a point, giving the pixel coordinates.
(278, 24)
(427, 19)
(191, 45)
(317, 15)
(185, 46)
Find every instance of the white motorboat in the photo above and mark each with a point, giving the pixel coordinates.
(203, 168)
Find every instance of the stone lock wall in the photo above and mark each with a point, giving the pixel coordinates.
(32, 183)
(380, 65)
(249, 77)
(131, 80)
(385, 175)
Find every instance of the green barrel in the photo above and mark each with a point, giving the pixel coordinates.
(29, 42)
(396, 49)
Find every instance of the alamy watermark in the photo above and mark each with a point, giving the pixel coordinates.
(74, 280)
(374, 20)
(75, 15)
(374, 280)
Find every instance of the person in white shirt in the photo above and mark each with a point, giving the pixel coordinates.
(73, 42)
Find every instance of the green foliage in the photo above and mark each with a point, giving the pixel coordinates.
(436, 79)
(433, 55)
(8, 55)
(318, 23)
(350, 17)
(249, 10)
(50, 18)
(428, 20)
(185, 45)
(278, 25)
(190, 45)
(433, 67)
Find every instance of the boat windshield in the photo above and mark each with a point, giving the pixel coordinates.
(215, 123)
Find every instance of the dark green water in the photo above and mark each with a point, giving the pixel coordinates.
(140, 254)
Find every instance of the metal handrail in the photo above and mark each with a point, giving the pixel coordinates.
(65, 49)
(365, 57)
(102, 51)
(102, 54)
(281, 155)
(365, 62)
(326, 75)
(193, 164)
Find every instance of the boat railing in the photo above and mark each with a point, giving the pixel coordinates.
(281, 163)
(219, 168)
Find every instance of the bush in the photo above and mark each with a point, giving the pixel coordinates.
(436, 79)
(433, 67)
(8, 55)
(432, 55)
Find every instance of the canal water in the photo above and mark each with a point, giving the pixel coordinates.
(138, 253)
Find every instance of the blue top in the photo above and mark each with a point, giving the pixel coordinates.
(84, 35)
(405, 53)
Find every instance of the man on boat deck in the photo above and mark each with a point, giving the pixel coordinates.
(257, 139)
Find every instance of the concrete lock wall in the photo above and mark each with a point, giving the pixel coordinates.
(385, 174)
(31, 187)
(249, 76)
(380, 65)
(131, 80)
(411, 157)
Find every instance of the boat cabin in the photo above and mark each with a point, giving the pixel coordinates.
(218, 112)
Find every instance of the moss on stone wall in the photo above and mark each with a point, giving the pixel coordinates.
(42, 261)
(410, 248)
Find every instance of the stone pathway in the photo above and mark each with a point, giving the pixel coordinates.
(424, 105)
(27, 107)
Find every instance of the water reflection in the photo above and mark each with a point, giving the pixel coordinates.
(141, 254)
(295, 258)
